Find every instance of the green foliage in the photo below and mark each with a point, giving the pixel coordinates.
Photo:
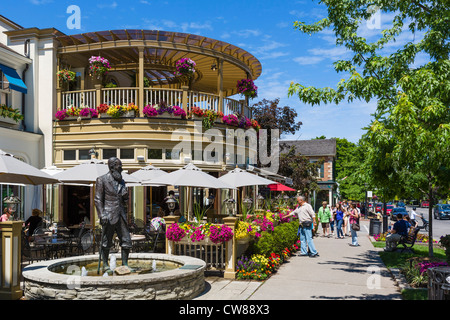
(283, 236)
(9, 112)
(299, 168)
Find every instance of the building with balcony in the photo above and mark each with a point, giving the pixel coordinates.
(143, 73)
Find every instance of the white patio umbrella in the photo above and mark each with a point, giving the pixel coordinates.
(191, 176)
(241, 178)
(88, 172)
(14, 171)
(146, 174)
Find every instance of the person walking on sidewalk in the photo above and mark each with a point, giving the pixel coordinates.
(324, 218)
(353, 219)
(306, 216)
(339, 218)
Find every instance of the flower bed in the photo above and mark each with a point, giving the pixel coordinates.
(275, 241)
(198, 232)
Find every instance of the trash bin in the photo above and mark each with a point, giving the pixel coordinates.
(439, 283)
(374, 227)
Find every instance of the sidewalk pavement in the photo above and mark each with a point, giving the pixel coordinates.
(340, 272)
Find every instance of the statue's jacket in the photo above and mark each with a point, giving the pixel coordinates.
(110, 198)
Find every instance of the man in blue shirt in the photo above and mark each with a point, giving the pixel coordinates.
(400, 229)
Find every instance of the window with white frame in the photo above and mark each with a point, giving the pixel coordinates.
(5, 92)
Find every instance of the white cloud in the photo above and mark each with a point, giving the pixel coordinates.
(39, 2)
(307, 60)
(112, 5)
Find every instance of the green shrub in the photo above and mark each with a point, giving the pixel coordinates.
(281, 237)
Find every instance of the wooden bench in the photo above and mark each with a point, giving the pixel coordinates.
(408, 241)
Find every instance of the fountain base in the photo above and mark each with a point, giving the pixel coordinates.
(182, 283)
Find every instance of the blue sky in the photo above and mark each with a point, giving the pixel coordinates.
(264, 28)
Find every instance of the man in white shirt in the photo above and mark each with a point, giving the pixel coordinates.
(413, 216)
(306, 216)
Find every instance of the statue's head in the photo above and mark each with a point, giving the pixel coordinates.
(115, 167)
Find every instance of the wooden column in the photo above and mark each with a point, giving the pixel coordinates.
(220, 84)
(185, 98)
(11, 269)
(141, 80)
(230, 268)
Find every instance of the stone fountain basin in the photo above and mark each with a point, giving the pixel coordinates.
(178, 284)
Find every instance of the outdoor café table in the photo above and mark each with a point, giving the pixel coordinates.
(53, 247)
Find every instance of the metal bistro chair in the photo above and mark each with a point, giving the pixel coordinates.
(155, 234)
(30, 250)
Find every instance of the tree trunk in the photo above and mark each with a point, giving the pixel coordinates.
(430, 222)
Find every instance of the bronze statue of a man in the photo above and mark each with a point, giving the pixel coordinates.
(110, 197)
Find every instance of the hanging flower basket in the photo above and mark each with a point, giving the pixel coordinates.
(66, 76)
(98, 66)
(247, 88)
(185, 66)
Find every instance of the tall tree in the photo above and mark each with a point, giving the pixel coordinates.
(410, 131)
(271, 116)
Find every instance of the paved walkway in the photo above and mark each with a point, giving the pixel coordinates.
(340, 272)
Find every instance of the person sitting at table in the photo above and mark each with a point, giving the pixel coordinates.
(33, 221)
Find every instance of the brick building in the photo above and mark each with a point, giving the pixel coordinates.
(317, 150)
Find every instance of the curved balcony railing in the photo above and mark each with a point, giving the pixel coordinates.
(173, 97)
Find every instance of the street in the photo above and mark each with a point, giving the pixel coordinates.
(440, 227)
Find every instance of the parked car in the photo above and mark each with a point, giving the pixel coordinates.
(378, 207)
(389, 208)
(396, 211)
(425, 204)
(401, 204)
(442, 211)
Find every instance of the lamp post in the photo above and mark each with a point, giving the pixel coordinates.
(248, 203)
(12, 202)
(229, 205)
(260, 201)
(171, 204)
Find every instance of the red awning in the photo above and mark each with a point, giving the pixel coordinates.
(280, 187)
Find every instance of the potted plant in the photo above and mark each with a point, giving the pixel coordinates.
(247, 88)
(150, 111)
(102, 109)
(61, 114)
(73, 113)
(196, 113)
(115, 111)
(88, 113)
(11, 113)
(179, 112)
(231, 120)
(98, 66)
(131, 110)
(65, 77)
(445, 242)
(186, 67)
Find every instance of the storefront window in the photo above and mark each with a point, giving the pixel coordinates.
(70, 155)
(109, 153)
(127, 154)
(154, 154)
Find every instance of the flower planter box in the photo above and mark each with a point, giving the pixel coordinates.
(242, 245)
(129, 114)
(168, 115)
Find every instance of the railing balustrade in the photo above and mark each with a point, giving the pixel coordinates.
(79, 98)
(172, 97)
(119, 96)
